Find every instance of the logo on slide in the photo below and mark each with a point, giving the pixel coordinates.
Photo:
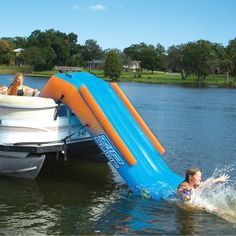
(108, 149)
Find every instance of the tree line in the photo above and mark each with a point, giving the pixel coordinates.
(42, 50)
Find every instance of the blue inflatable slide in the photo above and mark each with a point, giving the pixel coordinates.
(118, 130)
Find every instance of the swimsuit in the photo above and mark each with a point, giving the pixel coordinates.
(20, 92)
(187, 197)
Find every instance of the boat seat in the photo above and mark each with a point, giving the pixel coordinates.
(26, 102)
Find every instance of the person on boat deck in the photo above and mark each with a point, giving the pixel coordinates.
(186, 190)
(18, 89)
(3, 89)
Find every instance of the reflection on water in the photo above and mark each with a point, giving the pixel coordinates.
(22, 209)
(57, 202)
(195, 125)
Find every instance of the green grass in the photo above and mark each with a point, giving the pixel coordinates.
(43, 73)
(146, 77)
(175, 78)
(4, 69)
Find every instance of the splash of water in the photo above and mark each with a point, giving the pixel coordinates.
(220, 199)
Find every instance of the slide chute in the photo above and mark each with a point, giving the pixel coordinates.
(118, 130)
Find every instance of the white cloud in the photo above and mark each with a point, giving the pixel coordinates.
(98, 7)
(76, 7)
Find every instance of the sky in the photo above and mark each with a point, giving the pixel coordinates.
(121, 23)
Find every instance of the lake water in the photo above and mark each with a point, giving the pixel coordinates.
(197, 128)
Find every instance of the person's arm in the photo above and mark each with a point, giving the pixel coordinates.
(211, 181)
(185, 192)
(28, 91)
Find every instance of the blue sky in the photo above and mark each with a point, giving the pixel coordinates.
(120, 23)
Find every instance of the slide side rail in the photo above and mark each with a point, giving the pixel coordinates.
(107, 126)
(138, 118)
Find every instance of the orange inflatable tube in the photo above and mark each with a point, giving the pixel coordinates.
(57, 88)
(107, 125)
(138, 118)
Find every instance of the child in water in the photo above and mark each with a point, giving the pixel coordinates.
(186, 190)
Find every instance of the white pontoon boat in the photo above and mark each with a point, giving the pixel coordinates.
(31, 127)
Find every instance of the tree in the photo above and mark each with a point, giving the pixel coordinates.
(174, 58)
(226, 67)
(181, 58)
(126, 61)
(134, 50)
(161, 57)
(56, 47)
(196, 59)
(152, 58)
(218, 54)
(72, 41)
(112, 65)
(231, 52)
(91, 51)
(35, 58)
(20, 42)
(76, 60)
(149, 58)
(6, 52)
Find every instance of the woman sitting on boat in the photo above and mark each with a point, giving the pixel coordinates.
(18, 89)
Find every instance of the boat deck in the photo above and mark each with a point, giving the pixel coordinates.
(85, 148)
(34, 148)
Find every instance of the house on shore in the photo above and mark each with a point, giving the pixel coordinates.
(133, 66)
(19, 61)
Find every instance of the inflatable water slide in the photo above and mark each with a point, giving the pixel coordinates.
(118, 130)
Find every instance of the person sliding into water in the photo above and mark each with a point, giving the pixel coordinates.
(186, 190)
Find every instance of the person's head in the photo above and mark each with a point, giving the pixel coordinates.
(193, 176)
(19, 77)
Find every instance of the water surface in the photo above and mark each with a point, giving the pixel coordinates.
(197, 128)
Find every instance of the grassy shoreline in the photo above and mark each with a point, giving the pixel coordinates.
(147, 77)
